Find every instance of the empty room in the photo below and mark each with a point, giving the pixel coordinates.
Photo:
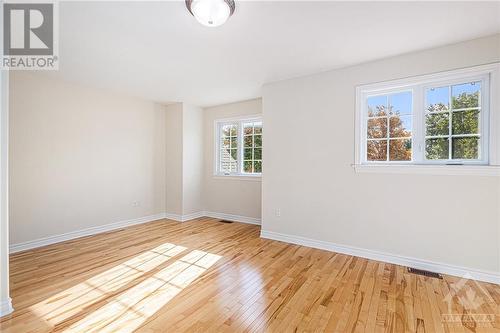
(249, 166)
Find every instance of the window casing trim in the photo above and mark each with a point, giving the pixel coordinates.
(218, 123)
(487, 74)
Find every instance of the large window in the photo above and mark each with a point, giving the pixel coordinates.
(239, 147)
(434, 119)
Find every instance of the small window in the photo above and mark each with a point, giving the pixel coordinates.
(434, 119)
(239, 147)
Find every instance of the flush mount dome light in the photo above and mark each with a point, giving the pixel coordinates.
(211, 13)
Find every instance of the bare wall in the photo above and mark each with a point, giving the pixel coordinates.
(192, 159)
(309, 149)
(5, 301)
(81, 157)
(173, 158)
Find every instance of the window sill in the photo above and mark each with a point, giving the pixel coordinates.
(255, 178)
(449, 170)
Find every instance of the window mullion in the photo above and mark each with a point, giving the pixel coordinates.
(388, 157)
(218, 148)
(363, 127)
(240, 149)
(418, 143)
(484, 108)
(450, 129)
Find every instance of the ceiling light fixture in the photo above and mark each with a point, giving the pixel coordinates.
(211, 13)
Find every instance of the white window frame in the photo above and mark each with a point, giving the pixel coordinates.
(239, 121)
(489, 123)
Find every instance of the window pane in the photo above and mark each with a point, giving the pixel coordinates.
(227, 160)
(247, 154)
(377, 106)
(226, 130)
(248, 141)
(437, 149)
(234, 167)
(257, 128)
(225, 142)
(466, 148)
(234, 154)
(247, 166)
(257, 166)
(234, 142)
(248, 128)
(401, 103)
(376, 150)
(258, 140)
(437, 124)
(438, 99)
(377, 128)
(225, 154)
(465, 95)
(465, 122)
(257, 154)
(400, 127)
(233, 130)
(400, 150)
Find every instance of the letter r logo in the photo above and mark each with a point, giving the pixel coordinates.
(28, 29)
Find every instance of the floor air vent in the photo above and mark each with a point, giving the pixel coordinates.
(225, 221)
(424, 273)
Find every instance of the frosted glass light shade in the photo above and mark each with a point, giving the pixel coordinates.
(211, 13)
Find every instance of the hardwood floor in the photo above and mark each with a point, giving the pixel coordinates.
(208, 276)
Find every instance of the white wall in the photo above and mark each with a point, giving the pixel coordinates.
(173, 164)
(81, 157)
(309, 149)
(236, 196)
(5, 301)
(192, 159)
(184, 165)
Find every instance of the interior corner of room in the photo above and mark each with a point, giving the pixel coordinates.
(112, 161)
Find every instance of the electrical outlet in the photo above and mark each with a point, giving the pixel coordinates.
(278, 212)
(136, 204)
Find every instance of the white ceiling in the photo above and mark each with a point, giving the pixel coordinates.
(157, 50)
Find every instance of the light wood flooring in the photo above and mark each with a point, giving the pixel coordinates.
(208, 276)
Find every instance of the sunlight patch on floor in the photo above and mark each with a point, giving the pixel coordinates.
(127, 311)
(80, 297)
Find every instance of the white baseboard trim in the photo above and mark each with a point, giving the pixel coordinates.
(486, 276)
(192, 216)
(215, 215)
(231, 217)
(6, 307)
(183, 218)
(174, 217)
(81, 233)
